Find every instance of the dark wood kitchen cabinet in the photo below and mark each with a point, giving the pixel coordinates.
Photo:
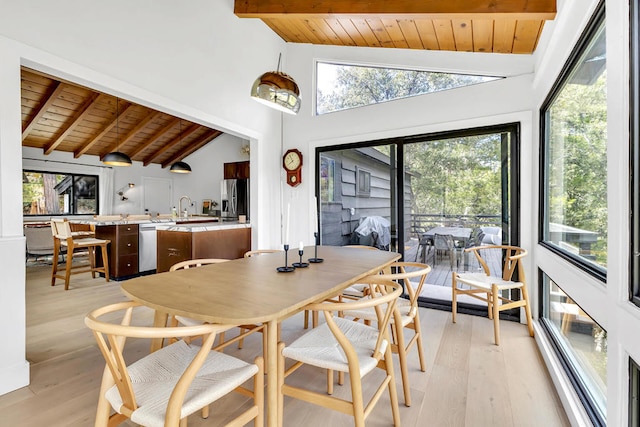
(176, 246)
(236, 170)
(123, 250)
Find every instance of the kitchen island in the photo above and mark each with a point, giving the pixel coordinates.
(134, 248)
(180, 242)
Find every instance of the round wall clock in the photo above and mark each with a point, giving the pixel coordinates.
(292, 163)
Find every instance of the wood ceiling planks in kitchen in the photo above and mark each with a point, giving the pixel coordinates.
(62, 116)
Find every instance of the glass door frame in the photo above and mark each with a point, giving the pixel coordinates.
(510, 160)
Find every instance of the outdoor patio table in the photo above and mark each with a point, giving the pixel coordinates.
(250, 290)
(461, 234)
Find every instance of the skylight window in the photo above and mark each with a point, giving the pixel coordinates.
(341, 87)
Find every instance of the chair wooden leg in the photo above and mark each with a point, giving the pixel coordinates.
(402, 356)
(280, 397)
(329, 382)
(258, 392)
(241, 341)
(357, 399)
(393, 395)
(306, 319)
(495, 293)
(527, 308)
(418, 331)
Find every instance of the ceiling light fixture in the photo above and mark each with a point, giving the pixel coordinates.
(180, 167)
(277, 90)
(117, 158)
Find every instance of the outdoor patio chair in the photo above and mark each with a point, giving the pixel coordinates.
(444, 244)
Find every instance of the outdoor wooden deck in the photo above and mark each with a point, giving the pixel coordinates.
(438, 283)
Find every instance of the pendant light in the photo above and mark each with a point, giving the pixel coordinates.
(277, 90)
(117, 158)
(180, 167)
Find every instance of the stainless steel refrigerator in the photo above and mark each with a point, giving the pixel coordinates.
(234, 195)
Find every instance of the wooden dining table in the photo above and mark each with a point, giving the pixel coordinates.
(251, 291)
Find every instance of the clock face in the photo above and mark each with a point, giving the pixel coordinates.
(292, 160)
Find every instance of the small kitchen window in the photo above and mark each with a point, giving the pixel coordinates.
(54, 193)
(363, 182)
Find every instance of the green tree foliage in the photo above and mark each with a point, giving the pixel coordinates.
(577, 160)
(358, 86)
(459, 176)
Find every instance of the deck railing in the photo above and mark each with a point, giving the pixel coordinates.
(423, 222)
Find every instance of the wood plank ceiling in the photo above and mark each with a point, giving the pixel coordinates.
(502, 26)
(58, 115)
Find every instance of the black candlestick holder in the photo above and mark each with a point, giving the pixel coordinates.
(300, 264)
(315, 259)
(287, 268)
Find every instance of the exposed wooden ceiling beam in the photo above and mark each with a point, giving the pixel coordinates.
(195, 146)
(82, 150)
(56, 89)
(518, 9)
(149, 118)
(154, 138)
(171, 144)
(75, 121)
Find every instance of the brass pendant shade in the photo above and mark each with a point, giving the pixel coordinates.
(277, 90)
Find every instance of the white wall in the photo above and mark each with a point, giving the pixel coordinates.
(185, 59)
(202, 183)
(181, 58)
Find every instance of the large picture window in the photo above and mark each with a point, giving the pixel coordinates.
(581, 344)
(634, 112)
(574, 157)
(52, 193)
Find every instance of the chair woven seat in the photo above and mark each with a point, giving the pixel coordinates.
(319, 346)
(481, 280)
(218, 376)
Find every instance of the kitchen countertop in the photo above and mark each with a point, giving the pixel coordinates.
(194, 228)
(164, 220)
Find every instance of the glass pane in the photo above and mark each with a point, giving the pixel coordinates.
(340, 87)
(576, 159)
(455, 187)
(49, 193)
(583, 342)
(357, 195)
(85, 195)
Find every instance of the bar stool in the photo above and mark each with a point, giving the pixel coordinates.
(62, 237)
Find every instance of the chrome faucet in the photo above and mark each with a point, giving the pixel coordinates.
(180, 204)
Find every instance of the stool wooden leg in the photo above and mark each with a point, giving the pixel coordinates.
(92, 261)
(54, 266)
(105, 262)
(67, 273)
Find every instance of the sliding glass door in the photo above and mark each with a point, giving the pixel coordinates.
(396, 194)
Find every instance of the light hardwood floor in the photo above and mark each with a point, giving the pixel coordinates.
(469, 381)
